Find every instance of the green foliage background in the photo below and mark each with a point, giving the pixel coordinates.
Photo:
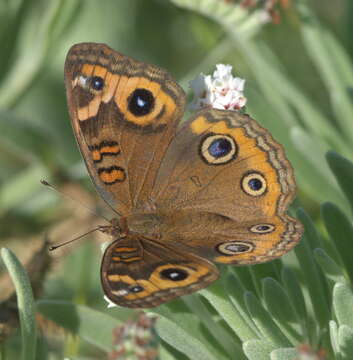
(299, 85)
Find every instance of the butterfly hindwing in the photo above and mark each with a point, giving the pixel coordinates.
(140, 272)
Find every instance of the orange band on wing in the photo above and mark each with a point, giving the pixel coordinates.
(111, 175)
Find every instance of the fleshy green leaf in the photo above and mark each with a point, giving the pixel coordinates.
(340, 230)
(257, 349)
(343, 304)
(188, 326)
(223, 337)
(329, 267)
(295, 294)
(279, 306)
(25, 303)
(284, 354)
(218, 298)
(342, 169)
(174, 335)
(314, 36)
(262, 319)
(312, 278)
(345, 341)
(243, 325)
(334, 336)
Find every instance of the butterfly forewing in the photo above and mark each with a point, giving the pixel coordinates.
(124, 114)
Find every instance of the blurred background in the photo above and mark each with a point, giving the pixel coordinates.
(294, 54)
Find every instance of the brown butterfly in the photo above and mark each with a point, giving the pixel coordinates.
(213, 190)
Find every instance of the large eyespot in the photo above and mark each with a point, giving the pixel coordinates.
(141, 102)
(218, 149)
(235, 247)
(262, 228)
(97, 83)
(253, 183)
(174, 274)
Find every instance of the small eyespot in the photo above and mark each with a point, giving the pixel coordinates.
(254, 184)
(136, 289)
(218, 149)
(174, 274)
(235, 247)
(141, 102)
(97, 83)
(262, 228)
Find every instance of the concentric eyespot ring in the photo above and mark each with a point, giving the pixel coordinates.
(141, 102)
(253, 183)
(262, 228)
(96, 83)
(174, 274)
(235, 247)
(218, 149)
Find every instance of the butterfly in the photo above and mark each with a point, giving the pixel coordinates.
(187, 195)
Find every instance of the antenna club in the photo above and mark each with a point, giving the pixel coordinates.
(44, 182)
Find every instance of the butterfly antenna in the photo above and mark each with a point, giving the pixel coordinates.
(53, 247)
(52, 187)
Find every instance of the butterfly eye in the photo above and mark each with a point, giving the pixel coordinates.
(235, 247)
(141, 102)
(174, 274)
(262, 228)
(97, 83)
(254, 184)
(218, 149)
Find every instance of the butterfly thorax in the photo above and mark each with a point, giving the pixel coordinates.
(144, 224)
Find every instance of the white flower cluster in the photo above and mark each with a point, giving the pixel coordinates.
(219, 91)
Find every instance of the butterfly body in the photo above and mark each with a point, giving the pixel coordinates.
(213, 189)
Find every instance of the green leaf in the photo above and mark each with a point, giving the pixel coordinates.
(188, 326)
(263, 321)
(329, 267)
(260, 271)
(280, 307)
(81, 321)
(312, 278)
(340, 230)
(257, 349)
(342, 169)
(345, 341)
(314, 36)
(334, 336)
(284, 354)
(223, 337)
(217, 297)
(295, 294)
(343, 304)
(174, 335)
(242, 324)
(25, 303)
